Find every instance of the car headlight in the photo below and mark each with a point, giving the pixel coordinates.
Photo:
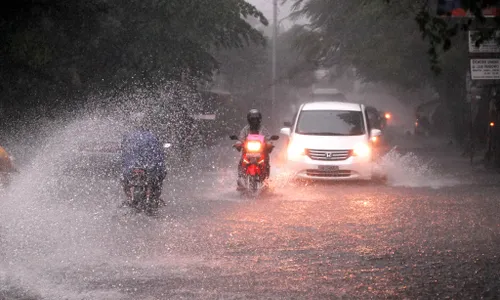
(295, 150)
(361, 150)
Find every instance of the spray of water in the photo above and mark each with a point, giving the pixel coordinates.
(409, 170)
(50, 220)
(403, 170)
(59, 230)
(61, 226)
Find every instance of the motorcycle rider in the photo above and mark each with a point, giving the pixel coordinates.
(254, 126)
(141, 148)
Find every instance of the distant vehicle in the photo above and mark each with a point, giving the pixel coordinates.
(376, 119)
(97, 150)
(426, 117)
(327, 94)
(216, 116)
(331, 141)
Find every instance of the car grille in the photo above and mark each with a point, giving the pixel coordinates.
(328, 155)
(321, 173)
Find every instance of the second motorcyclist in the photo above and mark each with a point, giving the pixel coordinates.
(254, 126)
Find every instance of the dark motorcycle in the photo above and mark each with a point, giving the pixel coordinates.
(254, 162)
(143, 192)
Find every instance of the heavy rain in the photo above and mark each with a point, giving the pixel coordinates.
(310, 150)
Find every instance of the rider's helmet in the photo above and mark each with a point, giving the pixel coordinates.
(254, 118)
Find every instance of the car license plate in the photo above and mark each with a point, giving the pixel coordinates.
(328, 168)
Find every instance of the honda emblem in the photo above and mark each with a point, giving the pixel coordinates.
(328, 154)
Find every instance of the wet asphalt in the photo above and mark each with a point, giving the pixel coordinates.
(431, 232)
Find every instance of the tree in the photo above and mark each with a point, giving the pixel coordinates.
(363, 34)
(53, 49)
(440, 30)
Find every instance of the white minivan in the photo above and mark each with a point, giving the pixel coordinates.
(331, 141)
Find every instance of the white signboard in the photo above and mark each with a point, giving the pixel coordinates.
(489, 46)
(204, 117)
(485, 69)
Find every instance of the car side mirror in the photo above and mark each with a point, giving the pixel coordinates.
(375, 132)
(233, 137)
(275, 138)
(287, 124)
(285, 131)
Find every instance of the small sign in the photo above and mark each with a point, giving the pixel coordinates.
(485, 69)
(489, 46)
(204, 117)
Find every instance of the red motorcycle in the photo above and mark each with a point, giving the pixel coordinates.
(254, 161)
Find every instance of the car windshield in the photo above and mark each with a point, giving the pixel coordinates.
(330, 122)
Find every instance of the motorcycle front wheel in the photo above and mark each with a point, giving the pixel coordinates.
(253, 185)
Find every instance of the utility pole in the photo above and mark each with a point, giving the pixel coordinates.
(275, 36)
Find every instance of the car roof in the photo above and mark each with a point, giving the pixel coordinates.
(331, 105)
(325, 91)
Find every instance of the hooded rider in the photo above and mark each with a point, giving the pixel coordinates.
(141, 148)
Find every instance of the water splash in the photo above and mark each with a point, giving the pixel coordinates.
(61, 229)
(409, 170)
(57, 227)
(45, 223)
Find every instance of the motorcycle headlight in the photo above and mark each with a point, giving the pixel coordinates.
(253, 146)
(361, 150)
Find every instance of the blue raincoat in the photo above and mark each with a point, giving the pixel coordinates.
(142, 149)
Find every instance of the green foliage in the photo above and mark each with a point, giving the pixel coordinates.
(441, 31)
(354, 31)
(50, 47)
(381, 40)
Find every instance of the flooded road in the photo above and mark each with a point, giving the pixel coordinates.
(431, 232)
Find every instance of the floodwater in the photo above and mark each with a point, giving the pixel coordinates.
(432, 231)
